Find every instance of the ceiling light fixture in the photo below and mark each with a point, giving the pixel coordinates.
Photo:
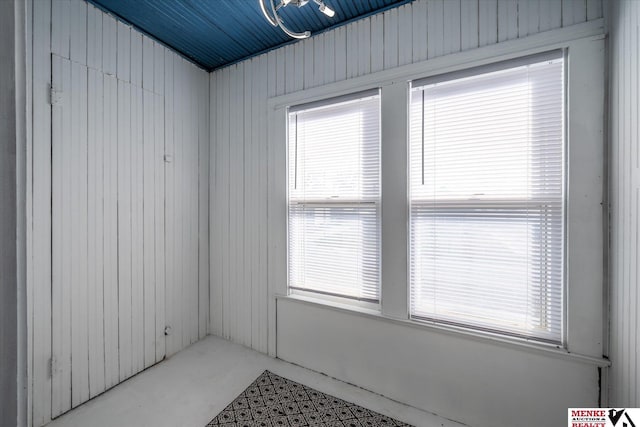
(270, 12)
(326, 9)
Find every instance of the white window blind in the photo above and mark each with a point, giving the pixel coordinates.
(487, 198)
(334, 197)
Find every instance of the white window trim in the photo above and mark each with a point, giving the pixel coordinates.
(584, 290)
(367, 201)
(334, 300)
(421, 91)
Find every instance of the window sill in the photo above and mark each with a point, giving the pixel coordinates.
(514, 343)
(336, 301)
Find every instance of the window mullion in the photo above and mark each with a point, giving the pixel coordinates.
(394, 120)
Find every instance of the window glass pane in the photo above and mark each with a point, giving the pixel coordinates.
(486, 185)
(334, 198)
(333, 250)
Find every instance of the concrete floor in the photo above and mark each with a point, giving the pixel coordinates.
(191, 387)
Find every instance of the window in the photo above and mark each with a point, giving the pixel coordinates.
(487, 198)
(491, 204)
(334, 197)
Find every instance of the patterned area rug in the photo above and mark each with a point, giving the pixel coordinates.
(272, 401)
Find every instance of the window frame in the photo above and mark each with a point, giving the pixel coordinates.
(517, 203)
(585, 287)
(341, 202)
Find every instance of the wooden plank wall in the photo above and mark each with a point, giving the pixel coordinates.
(129, 231)
(417, 31)
(625, 202)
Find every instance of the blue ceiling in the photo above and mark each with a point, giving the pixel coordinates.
(214, 33)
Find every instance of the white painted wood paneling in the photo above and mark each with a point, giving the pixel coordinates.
(469, 21)
(75, 162)
(175, 198)
(59, 27)
(109, 44)
(41, 195)
(123, 51)
(136, 58)
(391, 25)
(414, 32)
(95, 230)
(550, 15)
(202, 228)
(488, 22)
(184, 123)
(214, 212)
(452, 21)
(150, 162)
(125, 361)
(625, 200)
(137, 228)
(508, 22)
(110, 209)
(456, 377)
(94, 38)
(60, 295)
(171, 250)
(573, 12)
(128, 228)
(377, 41)
(159, 217)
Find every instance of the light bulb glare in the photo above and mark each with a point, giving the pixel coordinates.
(327, 10)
